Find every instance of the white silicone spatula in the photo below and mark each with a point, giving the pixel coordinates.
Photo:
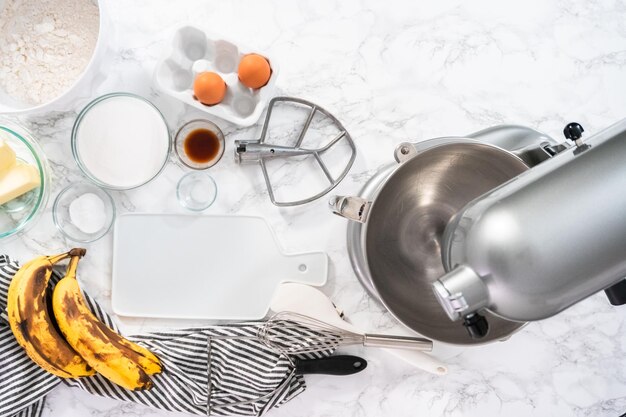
(309, 301)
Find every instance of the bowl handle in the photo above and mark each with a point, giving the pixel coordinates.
(351, 208)
(404, 152)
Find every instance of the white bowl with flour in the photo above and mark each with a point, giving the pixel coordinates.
(120, 141)
(49, 48)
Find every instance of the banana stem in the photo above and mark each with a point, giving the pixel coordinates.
(73, 252)
(71, 268)
(58, 258)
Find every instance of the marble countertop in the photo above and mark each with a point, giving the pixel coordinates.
(391, 72)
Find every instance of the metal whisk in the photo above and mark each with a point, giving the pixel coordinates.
(294, 333)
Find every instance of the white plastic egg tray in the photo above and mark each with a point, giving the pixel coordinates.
(192, 51)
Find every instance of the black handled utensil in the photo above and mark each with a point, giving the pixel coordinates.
(332, 365)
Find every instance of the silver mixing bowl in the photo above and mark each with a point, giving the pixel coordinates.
(399, 246)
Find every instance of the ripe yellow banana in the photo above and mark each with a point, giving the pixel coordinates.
(31, 323)
(147, 360)
(116, 358)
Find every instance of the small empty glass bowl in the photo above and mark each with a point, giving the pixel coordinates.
(83, 212)
(196, 191)
(196, 148)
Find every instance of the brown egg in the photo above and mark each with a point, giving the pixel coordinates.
(209, 88)
(254, 71)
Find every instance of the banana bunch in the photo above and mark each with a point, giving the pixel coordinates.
(84, 345)
(32, 325)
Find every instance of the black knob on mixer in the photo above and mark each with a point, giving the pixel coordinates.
(476, 325)
(573, 131)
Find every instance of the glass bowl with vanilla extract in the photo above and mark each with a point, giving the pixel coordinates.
(199, 144)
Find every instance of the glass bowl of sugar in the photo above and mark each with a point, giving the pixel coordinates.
(83, 212)
(120, 141)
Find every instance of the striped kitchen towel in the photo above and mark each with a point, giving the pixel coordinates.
(212, 371)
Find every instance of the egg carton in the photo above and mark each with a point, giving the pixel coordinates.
(192, 51)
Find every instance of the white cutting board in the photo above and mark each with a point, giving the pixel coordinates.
(202, 267)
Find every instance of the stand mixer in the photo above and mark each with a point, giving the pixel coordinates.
(494, 229)
(544, 241)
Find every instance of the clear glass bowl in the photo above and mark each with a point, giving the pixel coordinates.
(189, 127)
(76, 145)
(76, 221)
(196, 191)
(19, 214)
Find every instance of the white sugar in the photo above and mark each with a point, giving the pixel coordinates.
(87, 213)
(122, 141)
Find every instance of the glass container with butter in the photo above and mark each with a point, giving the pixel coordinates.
(23, 179)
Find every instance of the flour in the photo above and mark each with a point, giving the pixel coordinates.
(45, 45)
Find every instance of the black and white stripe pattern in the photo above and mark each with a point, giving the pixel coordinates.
(23, 384)
(33, 410)
(216, 371)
